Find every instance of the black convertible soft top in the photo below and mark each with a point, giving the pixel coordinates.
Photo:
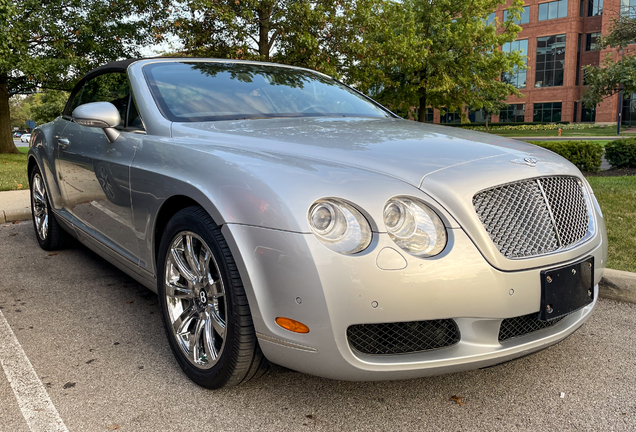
(116, 66)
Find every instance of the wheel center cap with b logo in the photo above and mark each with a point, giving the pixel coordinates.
(203, 298)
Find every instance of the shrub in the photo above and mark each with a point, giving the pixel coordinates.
(621, 153)
(586, 155)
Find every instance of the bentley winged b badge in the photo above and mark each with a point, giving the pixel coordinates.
(530, 161)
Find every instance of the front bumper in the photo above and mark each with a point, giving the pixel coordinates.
(293, 275)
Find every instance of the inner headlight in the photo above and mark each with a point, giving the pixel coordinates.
(414, 227)
(339, 226)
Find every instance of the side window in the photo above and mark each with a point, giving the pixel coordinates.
(110, 87)
(134, 120)
(75, 103)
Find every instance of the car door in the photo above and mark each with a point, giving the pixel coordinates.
(95, 173)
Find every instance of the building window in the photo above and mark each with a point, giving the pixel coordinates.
(490, 19)
(518, 77)
(588, 115)
(581, 6)
(578, 60)
(514, 113)
(576, 112)
(553, 10)
(550, 61)
(594, 7)
(525, 16)
(628, 7)
(628, 117)
(591, 40)
(451, 117)
(429, 115)
(547, 112)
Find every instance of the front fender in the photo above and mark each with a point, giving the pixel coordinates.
(262, 189)
(42, 154)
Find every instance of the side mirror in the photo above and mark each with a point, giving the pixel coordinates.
(101, 115)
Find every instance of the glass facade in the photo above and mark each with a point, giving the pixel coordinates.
(578, 61)
(491, 19)
(514, 113)
(525, 16)
(628, 7)
(628, 116)
(553, 10)
(450, 117)
(518, 77)
(550, 61)
(594, 7)
(429, 115)
(547, 112)
(591, 39)
(588, 115)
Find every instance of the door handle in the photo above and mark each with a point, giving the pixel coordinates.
(63, 142)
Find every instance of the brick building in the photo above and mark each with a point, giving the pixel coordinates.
(559, 38)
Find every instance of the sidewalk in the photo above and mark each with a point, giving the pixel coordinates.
(15, 206)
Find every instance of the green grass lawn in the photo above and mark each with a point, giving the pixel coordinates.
(13, 175)
(617, 197)
(601, 131)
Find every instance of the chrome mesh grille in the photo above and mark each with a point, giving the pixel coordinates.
(403, 337)
(523, 325)
(534, 217)
(568, 206)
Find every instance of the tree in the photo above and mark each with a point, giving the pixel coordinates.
(434, 53)
(307, 33)
(45, 107)
(50, 44)
(611, 76)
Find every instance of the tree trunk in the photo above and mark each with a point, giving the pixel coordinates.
(422, 114)
(6, 138)
(263, 32)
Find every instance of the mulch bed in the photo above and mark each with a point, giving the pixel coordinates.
(613, 172)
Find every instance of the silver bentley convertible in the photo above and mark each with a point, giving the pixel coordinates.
(285, 218)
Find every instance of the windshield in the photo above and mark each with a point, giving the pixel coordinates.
(198, 91)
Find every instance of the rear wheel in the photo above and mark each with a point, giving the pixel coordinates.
(48, 231)
(204, 306)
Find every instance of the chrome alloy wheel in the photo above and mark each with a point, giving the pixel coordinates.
(40, 207)
(195, 299)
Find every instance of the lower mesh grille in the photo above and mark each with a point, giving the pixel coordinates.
(403, 337)
(523, 325)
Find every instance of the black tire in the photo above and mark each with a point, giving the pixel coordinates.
(54, 237)
(240, 358)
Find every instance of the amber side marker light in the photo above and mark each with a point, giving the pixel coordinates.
(292, 325)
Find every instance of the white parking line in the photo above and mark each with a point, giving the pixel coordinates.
(33, 400)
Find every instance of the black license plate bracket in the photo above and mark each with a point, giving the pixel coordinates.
(566, 289)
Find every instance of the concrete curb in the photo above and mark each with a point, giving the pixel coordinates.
(15, 206)
(618, 285)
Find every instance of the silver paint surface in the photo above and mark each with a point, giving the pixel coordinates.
(257, 178)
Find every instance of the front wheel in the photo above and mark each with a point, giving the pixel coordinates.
(48, 231)
(203, 303)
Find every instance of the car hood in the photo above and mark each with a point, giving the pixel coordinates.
(406, 150)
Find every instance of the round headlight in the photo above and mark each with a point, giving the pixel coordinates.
(339, 226)
(414, 227)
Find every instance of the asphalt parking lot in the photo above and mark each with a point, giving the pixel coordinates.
(95, 341)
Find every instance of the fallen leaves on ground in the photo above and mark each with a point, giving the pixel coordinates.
(458, 399)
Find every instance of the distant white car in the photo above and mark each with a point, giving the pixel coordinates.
(25, 138)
